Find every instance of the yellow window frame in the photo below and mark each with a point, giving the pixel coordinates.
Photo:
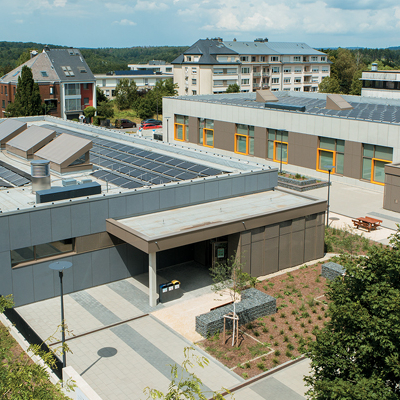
(372, 170)
(204, 137)
(247, 143)
(333, 162)
(287, 151)
(183, 131)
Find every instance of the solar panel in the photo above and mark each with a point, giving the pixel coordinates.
(5, 184)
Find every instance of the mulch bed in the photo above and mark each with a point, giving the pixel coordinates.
(273, 340)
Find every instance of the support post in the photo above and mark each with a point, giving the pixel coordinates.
(152, 279)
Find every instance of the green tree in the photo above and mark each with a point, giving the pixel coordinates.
(25, 56)
(100, 96)
(89, 112)
(356, 84)
(105, 109)
(184, 383)
(357, 354)
(233, 88)
(329, 84)
(144, 107)
(27, 98)
(125, 94)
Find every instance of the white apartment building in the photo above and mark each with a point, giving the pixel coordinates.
(157, 66)
(145, 80)
(211, 65)
(381, 84)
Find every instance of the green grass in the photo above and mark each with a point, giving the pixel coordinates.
(257, 350)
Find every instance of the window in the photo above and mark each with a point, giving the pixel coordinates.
(73, 105)
(194, 92)
(112, 92)
(206, 132)
(51, 90)
(194, 81)
(169, 69)
(40, 251)
(245, 81)
(275, 80)
(330, 152)
(14, 90)
(72, 89)
(297, 70)
(286, 80)
(5, 90)
(86, 86)
(3, 104)
(253, 58)
(315, 79)
(296, 58)
(315, 69)
(107, 92)
(297, 89)
(287, 70)
(245, 70)
(194, 70)
(1, 89)
(297, 80)
(314, 58)
(262, 58)
(275, 70)
(374, 160)
(325, 69)
(244, 58)
(68, 71)
(277, 145)
(82, 70)
(196, 58)
(44, 74)
(274, 58)
(244, 139)
(181, 131)
(86, 101)
(286, 89)
(274, 90)
(188, 58)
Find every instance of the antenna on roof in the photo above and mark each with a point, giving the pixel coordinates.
(46, 48)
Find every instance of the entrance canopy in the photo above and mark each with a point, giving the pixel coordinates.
(169, 229)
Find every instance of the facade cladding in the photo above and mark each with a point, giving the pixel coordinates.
(287, 234)
(358, 141)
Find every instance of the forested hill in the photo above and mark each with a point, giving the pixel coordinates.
(99, 60)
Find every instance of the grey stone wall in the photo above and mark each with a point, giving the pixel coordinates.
(254, 304)
(331, 270)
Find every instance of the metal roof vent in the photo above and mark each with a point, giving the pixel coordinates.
(40, 172)
(374, 67)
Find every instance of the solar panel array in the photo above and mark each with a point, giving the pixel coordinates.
(9, 177)
(130, 167)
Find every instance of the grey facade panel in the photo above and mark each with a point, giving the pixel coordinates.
(20, 235)
(238, 185)
(5, 273)
(263, 181)
(80, 219)
(83, 275)
(182, 195)
(151, 201)
(211, 190)
(118, 258)
(100, 266)
(68, 278)
(23, 285)
(134, 204)
(197, 192)
(167, 198)
(137, 261)
(117, 207)
(40, 223)
(4, 234)
(61, 223)
(251, 183)
(225, 187)
(98, 216)
(43, 284)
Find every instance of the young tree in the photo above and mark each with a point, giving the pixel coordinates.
(125, 94)
(230, 276)
(100, 96)
(329, 85)
(105, 109)
(185, 384)
(357, 354)
(27, 98)
(89, 112)
(233, 88)
(356, 84)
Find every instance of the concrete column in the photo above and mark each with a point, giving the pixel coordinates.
(152, 279)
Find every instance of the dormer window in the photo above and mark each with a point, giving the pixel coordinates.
(188, 58)
(44, 74)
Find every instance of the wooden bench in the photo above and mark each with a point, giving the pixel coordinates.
(368, 223)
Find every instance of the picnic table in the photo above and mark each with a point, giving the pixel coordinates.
(368, 223)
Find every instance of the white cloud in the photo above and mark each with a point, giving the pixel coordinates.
(150, 6)
(60, 3)
(19, 21)
(125, 22)
(120, 8)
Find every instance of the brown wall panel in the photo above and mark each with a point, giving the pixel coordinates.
(285, 227)
(260, 142)
(193, 130)
(245, 258)
(257, 259)
(257, 234)
(271, 231)
(284, 251)
(310, 244)
(298, 224)
(271, 254)
(297, 247)
(302, 150)
(352, 159)
(319, 242)
(233, 244)
(224, 135)
(96, 241)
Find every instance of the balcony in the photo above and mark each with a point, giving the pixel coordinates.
(256, 86)
(256, 74)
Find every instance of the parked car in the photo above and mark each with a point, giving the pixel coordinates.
(152, 120)
(150, 125)
(124, 123)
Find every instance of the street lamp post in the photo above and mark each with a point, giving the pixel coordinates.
(60, 266)
(167, 118)
(329, 168)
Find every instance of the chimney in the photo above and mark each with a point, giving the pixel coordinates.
(374, 67)
(234, 39)
(33, 53)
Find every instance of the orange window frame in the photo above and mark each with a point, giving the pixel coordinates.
(373, 168)
(183, 132)
(333, 162)
(247, 144)
(287, 151)
(205, 137)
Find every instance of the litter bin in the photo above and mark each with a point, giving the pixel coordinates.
(162, 292)
(177, 293)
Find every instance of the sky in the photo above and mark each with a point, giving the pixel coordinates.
(123, 23)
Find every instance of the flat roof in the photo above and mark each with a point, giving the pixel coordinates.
(377, 110)
(31, 137)
(164, 229)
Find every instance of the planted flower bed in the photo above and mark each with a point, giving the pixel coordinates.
(299, 182)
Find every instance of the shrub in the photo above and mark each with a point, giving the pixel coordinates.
(290, 346)
(273, 319)
(256, 333)
(281, 332)
(283, 315)
(261, 366)
(276, 343)
(265, 329)
(247, 365)
(275, 361)
(288, 353)
(285, 338)
(277, 353)
(245, 375)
